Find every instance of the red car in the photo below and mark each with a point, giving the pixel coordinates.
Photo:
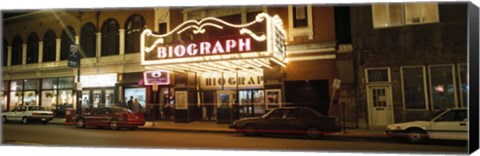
(111, 117)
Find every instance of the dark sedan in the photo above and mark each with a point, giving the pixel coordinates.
(112, 117)
(291, 120)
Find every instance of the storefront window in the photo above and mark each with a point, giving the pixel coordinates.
(65, 99)
(30, 98)
(65, 83)
(413, 87)
(442, 88)
(259, 101)
(30, 85)
(49, 83)
(49, 99)
(3, 96)
(15, 99)
(136, 93)
(16, 85)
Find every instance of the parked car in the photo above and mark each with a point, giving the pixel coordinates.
(288, 120)
(26, 114)
(448, 124)
(113, 117)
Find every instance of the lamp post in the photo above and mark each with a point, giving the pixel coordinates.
(78, 86)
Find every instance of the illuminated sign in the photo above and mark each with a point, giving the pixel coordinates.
(99, 80)
(212, 39)
(230, 82)
(158, 77)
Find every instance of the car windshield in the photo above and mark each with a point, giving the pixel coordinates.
(34, 108)
(435, 114)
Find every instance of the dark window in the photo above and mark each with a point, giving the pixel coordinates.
(23, 109)
(49, 46)
(277, 114)
(342, 24)
(17, 50)
(300, 18)
(134, 26)
(162, 28)
(110, 39)
(449, 116)
(32, 48)
(68, 38)
(294, 113)
(5, 52)
(378, 75)
(88, 40)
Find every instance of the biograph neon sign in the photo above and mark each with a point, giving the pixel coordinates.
(204, 48)
(212, 39)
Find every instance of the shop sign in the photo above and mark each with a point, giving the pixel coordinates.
(159, 77)
(230, 82)
(212, 39)
(99, 80)
(73, 58)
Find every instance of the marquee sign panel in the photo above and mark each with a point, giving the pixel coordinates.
(212, 39)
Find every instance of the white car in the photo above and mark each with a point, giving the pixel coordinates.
(25, 114)
(449, 124)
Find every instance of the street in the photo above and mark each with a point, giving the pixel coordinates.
(66, 135)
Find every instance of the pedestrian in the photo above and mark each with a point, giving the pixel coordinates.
(137, 107)
(166, 111)
(130, 103)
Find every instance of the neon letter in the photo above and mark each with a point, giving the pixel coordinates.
(205, 48)
(244, 44)
(179, 50)
(230, 44)
(161, 52)
(218, 48)
(192, 49)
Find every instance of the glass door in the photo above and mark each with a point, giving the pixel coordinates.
(252, 103)
(97, 96)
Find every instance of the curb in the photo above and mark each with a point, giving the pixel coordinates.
(342, 135)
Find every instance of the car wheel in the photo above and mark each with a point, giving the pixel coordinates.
(44, 122)
(24, 120)
(313, 132)
(4, 119)
(416, 136)
(114, 124)
(249, 130)
(80, 123)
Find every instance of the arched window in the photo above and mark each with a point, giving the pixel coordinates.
(88, 40)
(32, 48)
(110, 37)
(68, 38)
(5, 52)
(17, 50)
(134, 28)
(49, 46)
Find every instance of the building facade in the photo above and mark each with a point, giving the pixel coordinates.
(411, 60)
(37, 46)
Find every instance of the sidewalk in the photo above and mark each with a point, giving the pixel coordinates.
(213, 127)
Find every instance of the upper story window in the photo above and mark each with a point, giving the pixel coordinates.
(5, 52)
(32, 48)
(68, 38)
(49, 46)
(134, 26)
(300, 16)
(17, 50)
(88, 41)
(300, 21)
(110, 38)
(399, 14)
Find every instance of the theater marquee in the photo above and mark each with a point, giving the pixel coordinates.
(212, 43)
